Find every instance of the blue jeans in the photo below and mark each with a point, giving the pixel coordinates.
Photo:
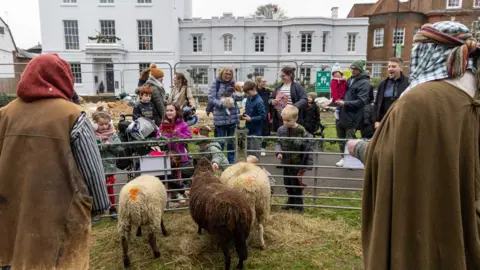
(227, 131)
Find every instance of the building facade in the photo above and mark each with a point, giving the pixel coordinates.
(393, 22)
(131, 34)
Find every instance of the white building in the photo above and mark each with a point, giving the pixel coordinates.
(165, 33)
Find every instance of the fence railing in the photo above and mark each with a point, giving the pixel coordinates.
(325, 185)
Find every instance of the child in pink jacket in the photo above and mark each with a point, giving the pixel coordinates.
(338, 87)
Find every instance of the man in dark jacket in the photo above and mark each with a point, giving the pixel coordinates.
(352, 106)
(389, 90)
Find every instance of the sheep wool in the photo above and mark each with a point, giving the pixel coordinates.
(142, 203)
(253, 182)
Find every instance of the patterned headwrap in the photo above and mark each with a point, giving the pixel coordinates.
(442, 50)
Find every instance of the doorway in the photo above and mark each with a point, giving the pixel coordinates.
(110, 78)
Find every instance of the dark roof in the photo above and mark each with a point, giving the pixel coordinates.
(24, 54)
(10, 32)
(37, 47)
(380, 7)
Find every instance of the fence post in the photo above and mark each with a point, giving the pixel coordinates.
(240, 143)
(315, 171)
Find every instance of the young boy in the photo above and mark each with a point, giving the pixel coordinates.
(213, 153)
(145, 108)
(293, 175)
(254, 115)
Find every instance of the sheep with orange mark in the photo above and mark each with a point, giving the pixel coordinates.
(142, 203)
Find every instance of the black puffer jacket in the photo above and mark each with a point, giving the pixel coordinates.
(356, 97)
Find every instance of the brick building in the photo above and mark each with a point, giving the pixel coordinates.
(406, 17)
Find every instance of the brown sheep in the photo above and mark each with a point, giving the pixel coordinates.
(221, 211)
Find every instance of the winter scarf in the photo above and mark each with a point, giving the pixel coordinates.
(442, 50)
(104, 134)
(156, 82)
(46, 76)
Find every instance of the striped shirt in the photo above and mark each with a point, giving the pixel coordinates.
(286, 92)
(89, 162)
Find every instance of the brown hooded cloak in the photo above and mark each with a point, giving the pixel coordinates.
(421, 200)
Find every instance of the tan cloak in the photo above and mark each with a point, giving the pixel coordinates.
(421, 198)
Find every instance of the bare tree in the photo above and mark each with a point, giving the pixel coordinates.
(268, 10)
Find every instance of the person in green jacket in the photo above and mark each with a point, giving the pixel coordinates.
(213, 153)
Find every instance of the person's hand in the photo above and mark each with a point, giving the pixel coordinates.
(274, 102)
(340, 103)
(246, 118)
(377, 124)
(351, 146)
(279, 156)
(215, 167)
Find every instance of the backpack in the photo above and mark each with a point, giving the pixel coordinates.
(210, 105)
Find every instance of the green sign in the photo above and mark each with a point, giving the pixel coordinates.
(323, 81)
(398, 50)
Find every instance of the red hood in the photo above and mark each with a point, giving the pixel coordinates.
(46, 76)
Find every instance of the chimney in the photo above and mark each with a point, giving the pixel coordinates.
(334, 12)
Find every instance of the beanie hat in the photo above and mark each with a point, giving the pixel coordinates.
(205, 131)
(313, 95)
(360, 65)
(46, 76)
(336, 68)
(156, 72)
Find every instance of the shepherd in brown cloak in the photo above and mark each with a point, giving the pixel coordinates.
(421, 197)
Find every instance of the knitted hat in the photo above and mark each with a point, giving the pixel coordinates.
(360, 65)
(313, 95)
(204, 131)
(101, 112)
(46, 76)
(156, 72)
(336, 68)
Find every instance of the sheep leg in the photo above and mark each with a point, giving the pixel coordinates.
(199, 230)
(164, 231)
(226, 254)
(139, 231)
(126, 259)
(152, 240)
(262, 240)
(242, 250)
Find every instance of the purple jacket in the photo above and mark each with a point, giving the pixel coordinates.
(182, 131)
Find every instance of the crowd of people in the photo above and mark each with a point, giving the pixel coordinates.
(422, 169)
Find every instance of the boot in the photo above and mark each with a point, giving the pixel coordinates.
(299, 204)
(289, 201)
(113, 213)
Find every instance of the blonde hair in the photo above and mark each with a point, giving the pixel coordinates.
(101, 113)
(223, 70)
(252, 159)
(259, 79)
(290, 112)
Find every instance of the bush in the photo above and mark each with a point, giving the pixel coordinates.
(376, 82)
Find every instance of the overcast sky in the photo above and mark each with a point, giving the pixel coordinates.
(23, 18)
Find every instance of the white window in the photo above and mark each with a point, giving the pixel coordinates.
(70, 29)
(289, 43)
(476, 3)
(415, 31)
(77, 72)
(106, 1)
(143, 66)
(399, 36)
(200, 75)
(324, 41)
(107, 28)
(227, 43)
(69, 1)
(2, 30)
(378, 36)
(197, 43)
(454, 3)
(145, 35)
(259, 43)
(259, 71)
(352, 39)
(377, 70)
(144, 1)
(306, 42)
(305, 74)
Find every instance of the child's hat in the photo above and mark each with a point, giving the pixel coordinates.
(101, 112)
(336, 68)
(312, 94)
(156, 72)
(204, 131)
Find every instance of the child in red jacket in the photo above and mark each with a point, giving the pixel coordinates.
(338, 86)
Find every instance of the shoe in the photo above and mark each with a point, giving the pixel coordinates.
(263, 153)
(340, 163)
(113, 213)
(95, 219)
(287, 207)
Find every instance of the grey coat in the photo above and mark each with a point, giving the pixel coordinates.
(158, 96)
(220, 116)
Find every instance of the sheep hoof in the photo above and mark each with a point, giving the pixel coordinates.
(126, 263)
(263, 247)
(156, 254)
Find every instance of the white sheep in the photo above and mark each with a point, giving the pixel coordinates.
(142, 203)
(254, 183)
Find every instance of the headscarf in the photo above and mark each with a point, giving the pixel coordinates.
(46, 76)
(442, 50)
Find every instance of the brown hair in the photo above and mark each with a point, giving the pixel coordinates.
(259, 79)
(100, 113)
(144, 74)
(249, 85)
(396, 60)
(183, 80)
(145, 90)
(290, 71)
(178, 111)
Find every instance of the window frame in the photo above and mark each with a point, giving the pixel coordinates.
(382, 33)
(325, 35)
(69, 2)
(143, 66)
(76, 72)
(454, 7)
(144, 2)
(261, 43)
(204, 79)
(259, 70)
(2, 30)
(289, 42)
(476, 5)
(351, 48)
(73, 34)
(110, 28)
(145, 36)
(198, 39)
(305, 45)
(227, 43)
(377, 69)
(107, 2)
(394, 36)
(304, 73)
